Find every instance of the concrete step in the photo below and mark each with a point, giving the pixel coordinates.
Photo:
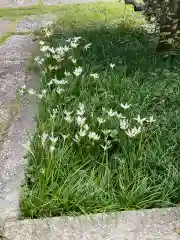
(155, 224)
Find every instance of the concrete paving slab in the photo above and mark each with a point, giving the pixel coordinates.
(5, 26)
(12, 77)
(156, 224)
(17, 3)
(12, 163)
(13, 57)
(17, 48)
(35, 22)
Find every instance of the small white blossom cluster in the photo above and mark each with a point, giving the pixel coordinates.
(81, 125)
(45, 138)
(85, 133)
(58, 54)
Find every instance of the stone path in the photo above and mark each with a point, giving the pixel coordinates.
(34, 22)
(16, 119)
(17, 3)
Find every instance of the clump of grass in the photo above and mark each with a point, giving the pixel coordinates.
(108, 124)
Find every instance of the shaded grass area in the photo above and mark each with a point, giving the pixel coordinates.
(141, 172)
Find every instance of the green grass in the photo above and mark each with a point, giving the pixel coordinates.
(135, 173)
(70, 14)
(61, 10)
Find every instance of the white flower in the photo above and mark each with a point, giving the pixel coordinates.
(112, 113)
(40, 96)
(67, 112)
(55, 111)
(150, 120)
(68, 117)
(53, 139)
(73, 60)
(58, 58)
(86, 127)
(125, 106)
(44, 48)
(31, 91)
(101, 120)
(43, 138)
(120, 116)
(76, 39)
(94, 75)
(77, 138)
(67, 74)
(106, 147)
(41, 61)
(48, 33)
(22, 90)
(94, 136)
(74, 44)
(81, 109)
(60, 51)
(53, 114)
(50, 83)
(140, 120)
(87, 46)
(80, 120)
(51, 67)
(82, 132)
(66, 48)
(27, 146)
(41, 42)
(59, 82)
(133, 132)
(47, 55)
(112, 65)
(52, 148)
(37, 59)
(65, 136)
(60, 90)
(77, 72)
(52, 50)
(44, 91)
(23, 87)
(123, 124)
(43, 94)
(69, 40)
(108, 142)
